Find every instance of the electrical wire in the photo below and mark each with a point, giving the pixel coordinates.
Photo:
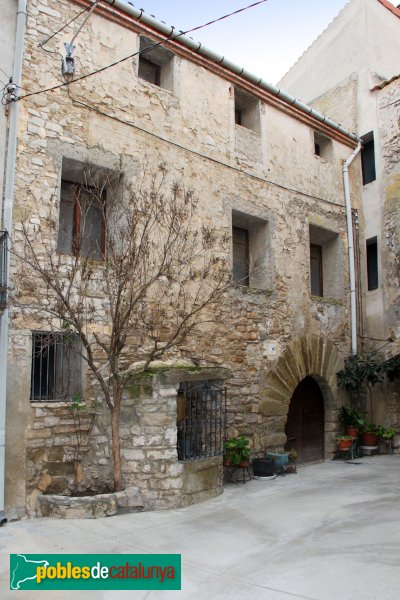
(125, 58)
(199, 154)
(62, 28)
(4, 73)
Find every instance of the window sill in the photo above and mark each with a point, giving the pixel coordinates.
(245, 289)
(327, 300)
(154, 87)
(251, 131)
(48, 403)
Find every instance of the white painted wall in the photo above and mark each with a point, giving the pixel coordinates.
(365, 34)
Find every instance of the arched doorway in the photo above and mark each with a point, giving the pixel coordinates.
(305, 424)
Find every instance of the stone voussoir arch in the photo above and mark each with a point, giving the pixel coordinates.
(308, 355)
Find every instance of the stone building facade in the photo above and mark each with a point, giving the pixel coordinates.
(354, 81)
(251, 159)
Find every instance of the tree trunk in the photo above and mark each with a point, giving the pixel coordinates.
(116, 447)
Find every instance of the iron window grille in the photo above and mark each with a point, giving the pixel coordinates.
(201, 420)
(3, 269)
(56, 366)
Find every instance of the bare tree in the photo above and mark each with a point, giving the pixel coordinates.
(158, 272)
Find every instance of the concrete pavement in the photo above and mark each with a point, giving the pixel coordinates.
(330, 532)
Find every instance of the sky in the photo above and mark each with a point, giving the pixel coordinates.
(266, 39)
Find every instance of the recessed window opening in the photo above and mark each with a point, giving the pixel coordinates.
(251, 251)
(372, 263)
(241, 256)
(322, 146)
(56, 366)
(316, 270)
(149, 71)
(368, 158)
(155, 65)
(81, 225)
(247, 110)
(325, 261)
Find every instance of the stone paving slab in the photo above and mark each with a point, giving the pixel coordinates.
(331, 531)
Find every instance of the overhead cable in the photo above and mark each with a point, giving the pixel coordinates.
(155, 45)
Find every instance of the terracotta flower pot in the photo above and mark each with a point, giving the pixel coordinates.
(345, 444)
(369, 439)
(353, 431)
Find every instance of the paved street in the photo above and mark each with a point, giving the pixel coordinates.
(330, 532)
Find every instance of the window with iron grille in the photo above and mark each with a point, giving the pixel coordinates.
(56, 366)
(201, 420)
(3, 269)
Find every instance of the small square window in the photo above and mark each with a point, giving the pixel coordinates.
(247, 110)
(81, 222)
(149, 71)
(56, 366)
(322, 146)
(156, 64)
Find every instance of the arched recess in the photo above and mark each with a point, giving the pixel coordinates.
(309, 355)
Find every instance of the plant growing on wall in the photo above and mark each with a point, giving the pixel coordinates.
(160, 273)
(369, 371)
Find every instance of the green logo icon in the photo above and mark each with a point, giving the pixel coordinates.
(95, 572)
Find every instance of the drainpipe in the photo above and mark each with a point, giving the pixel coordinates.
(353, 305)
(7, 224)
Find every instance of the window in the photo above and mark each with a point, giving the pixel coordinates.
(368, 158)
(81, 224)
(241, 255)
(316, 270)
(247, 110)
(372, 263)
(56, 366)
(156, 65)
(322, 146)
(325, 261)
(201, 420)
(149, 71)
(251, 252)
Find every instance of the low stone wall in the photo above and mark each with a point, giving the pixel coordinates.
(58, 467)
(90, 507)
(201, 479)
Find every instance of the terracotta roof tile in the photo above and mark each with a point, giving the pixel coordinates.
(390, 7)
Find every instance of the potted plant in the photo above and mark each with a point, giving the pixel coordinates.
(344, 442)
(237, 451)
(388, 434)
(370, 434)
(352, 420)
(279, 457)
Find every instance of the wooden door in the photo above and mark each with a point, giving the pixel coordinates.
(305, 423)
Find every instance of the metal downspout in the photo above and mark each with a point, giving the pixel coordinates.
(349, 218)
(7, 225)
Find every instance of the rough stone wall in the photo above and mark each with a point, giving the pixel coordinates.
(279, 180)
